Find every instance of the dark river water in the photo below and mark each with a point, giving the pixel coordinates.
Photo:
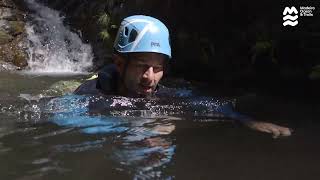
(79, 137)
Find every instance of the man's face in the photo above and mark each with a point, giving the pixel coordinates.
(143, 73)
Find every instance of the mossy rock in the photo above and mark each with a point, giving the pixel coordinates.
(15, 52)
(20, 59)
(62, 88)
(5, 37)
(13, 55)
(16, 27)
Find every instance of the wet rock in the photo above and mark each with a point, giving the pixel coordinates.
(15, 52)
(7, 3)
(20, 59)
(12, 28)
(13, 42)
(5, 37)
(16, 27)
(62, 88)
(4, 66)
(10, 14)
(6, 13)
(4, 25)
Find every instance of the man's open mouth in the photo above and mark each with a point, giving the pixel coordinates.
(146, 88)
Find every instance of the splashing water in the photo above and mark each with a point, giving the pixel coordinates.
(137, 130)
(53, 48)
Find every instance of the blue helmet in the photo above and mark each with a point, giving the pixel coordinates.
(142, 34)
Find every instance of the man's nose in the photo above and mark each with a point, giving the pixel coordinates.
(149, 73)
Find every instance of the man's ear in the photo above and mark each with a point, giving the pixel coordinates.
(119, 62)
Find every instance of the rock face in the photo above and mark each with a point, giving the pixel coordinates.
(12, 35)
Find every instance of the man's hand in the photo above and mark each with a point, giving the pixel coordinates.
(164, 129)
(274, 129)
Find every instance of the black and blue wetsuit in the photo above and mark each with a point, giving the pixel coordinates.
(97, 109)
(106, 84)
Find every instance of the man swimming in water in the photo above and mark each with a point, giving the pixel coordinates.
(141, 54)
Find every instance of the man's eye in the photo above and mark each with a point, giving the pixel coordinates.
(145, 67)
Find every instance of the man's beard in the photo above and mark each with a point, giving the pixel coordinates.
(135, 94)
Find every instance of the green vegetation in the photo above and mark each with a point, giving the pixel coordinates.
(315, 73)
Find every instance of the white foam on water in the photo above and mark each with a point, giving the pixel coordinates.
(52, 47)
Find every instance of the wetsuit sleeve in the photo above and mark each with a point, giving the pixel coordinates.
(228, 111)
(88, 87)
(222, 108)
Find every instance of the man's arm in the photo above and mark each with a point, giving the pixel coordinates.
(275, 130)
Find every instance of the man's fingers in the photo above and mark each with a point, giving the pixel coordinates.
(280, 131)
(286, 132)
(264, 129)
(275, 133)
(273, 129)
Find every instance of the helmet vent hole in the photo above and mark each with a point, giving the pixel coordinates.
(133, 35)
(126, 31)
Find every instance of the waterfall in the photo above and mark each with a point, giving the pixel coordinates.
(52, 47)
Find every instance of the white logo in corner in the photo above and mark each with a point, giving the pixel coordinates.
(288, 18)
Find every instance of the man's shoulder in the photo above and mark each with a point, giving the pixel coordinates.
(105, 83)
(107, 79)
(88, 87)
